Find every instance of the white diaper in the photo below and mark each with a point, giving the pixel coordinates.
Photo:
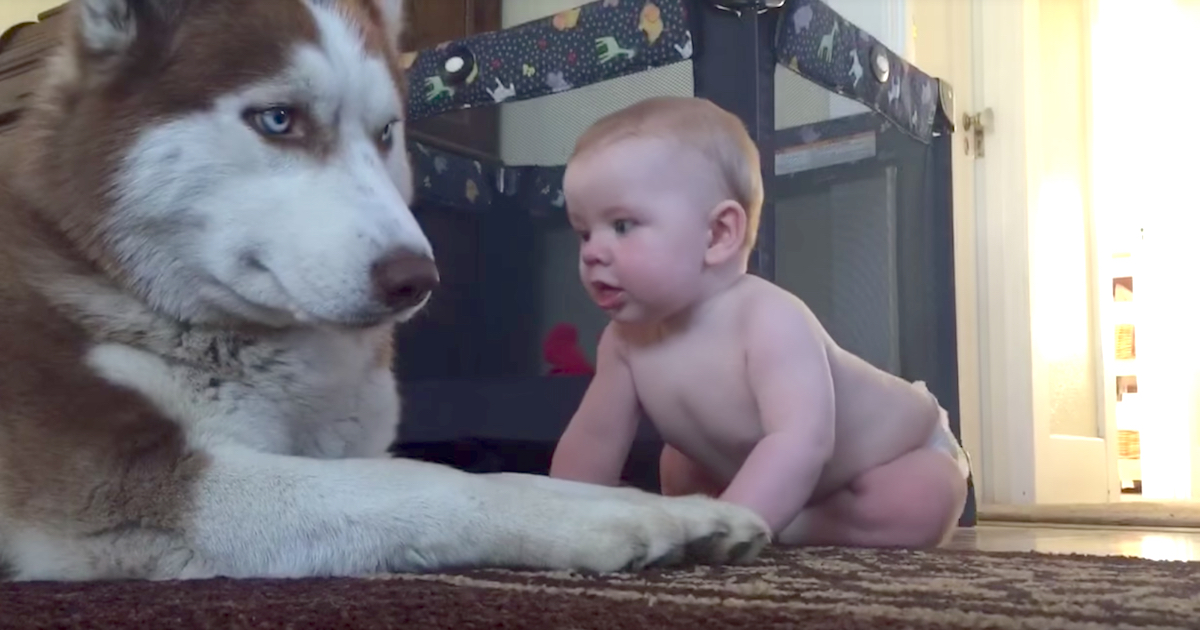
(942, 438)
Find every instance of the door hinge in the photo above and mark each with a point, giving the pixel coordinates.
(974, 126)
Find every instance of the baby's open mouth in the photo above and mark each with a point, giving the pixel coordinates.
(607, 295)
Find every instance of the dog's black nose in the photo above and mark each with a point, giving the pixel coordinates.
(403, 278)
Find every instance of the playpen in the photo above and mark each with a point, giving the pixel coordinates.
(857, 219)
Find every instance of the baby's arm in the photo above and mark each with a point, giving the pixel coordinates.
(596, 442)
(790, 377)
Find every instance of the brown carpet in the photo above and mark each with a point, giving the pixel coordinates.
(1120, 514)
(816, 589)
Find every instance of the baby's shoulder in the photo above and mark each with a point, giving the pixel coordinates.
(773, 321)
(765, 304)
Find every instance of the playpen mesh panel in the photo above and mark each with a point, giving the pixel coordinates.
(543, 131)
(857, 228)
(838, 226)
(815, 42)
(836, 245)
(510, 271)
(844, 207)
(799, 101)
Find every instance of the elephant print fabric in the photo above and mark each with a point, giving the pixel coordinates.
(595, 42)
(816, 43)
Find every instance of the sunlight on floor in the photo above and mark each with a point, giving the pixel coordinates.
(1161, 547)
(1153, 544)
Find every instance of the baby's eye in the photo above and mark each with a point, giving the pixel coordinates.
(622, 226)
(582, 234)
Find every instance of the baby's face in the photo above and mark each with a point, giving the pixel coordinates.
(639, 207)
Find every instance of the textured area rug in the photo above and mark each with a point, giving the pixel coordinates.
(817, 589)
(1122, 514)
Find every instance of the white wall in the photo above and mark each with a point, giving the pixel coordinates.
(14, 11)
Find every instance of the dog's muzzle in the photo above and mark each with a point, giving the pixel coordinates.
(402, 279)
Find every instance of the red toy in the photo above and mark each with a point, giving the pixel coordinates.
(561, 350)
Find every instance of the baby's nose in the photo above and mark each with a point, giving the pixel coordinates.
(593, 254)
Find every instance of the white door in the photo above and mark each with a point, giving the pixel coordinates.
(1034, 412)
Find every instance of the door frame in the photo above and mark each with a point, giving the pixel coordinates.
(1004, 383)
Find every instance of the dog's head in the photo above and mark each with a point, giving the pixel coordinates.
(237, 159)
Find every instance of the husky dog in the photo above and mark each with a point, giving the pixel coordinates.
(205, 243)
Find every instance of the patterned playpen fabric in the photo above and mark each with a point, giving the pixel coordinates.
(818, 44)
(591, 43)
(468, 184)
(607, 39)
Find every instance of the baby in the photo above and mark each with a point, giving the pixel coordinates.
(756, 403)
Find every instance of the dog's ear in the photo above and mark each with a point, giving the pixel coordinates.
(392, 13)
(109, 28)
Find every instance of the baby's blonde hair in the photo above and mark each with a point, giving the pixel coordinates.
(699, 125)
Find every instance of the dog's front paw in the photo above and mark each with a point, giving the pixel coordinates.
(718, 531)
(660, 531)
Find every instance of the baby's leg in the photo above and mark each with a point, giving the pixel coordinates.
(913, 501)
(678, 475)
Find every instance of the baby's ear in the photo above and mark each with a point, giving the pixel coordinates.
(726, 232)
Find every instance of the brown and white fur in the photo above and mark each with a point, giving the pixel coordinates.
(197, 294)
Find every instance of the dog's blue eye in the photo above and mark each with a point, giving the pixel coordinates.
(389, 133)
(276, 121)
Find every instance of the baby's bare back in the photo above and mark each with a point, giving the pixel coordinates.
(695, 388)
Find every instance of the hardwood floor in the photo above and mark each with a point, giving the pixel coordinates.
(1155, 544)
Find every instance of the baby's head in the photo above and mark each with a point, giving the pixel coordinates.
(666, 196)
